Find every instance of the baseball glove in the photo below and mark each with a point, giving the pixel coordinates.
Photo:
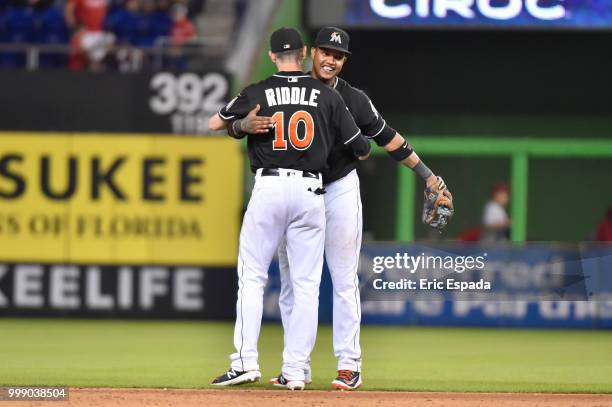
(438, 206)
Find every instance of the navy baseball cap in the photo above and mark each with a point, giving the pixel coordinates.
(333, 38)
(285, 39)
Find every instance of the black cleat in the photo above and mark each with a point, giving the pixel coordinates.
(347, 380)
(235, 377)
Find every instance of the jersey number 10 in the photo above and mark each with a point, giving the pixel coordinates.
(299, 143)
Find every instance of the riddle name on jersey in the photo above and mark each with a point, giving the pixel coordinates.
(292, 96)
(310, 118)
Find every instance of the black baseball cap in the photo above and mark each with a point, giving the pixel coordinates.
(285, 39)
(333, 38)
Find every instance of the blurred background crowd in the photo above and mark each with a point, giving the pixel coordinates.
(98, 34)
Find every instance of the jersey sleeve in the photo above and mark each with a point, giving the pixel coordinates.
(238, 107)
(370, 121)
(346, 128)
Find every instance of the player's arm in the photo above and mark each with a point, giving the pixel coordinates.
(239, 117)
(216, 123)
(237, 108)
(402, 152)
(250, 124)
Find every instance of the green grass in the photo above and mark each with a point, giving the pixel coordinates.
(188, 354)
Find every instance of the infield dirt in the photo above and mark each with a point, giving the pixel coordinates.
(233, 398)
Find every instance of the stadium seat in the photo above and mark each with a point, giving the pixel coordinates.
(17, 28)
(51, 29)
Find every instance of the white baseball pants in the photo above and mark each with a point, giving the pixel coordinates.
(280, 206)
(342, 246)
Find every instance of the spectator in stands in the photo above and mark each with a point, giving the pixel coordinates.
(90, 43)
(194, 7)
(495, 220)
(92, 27)
(88, 14)
(182, 31)
(140, 22)
(604, 228)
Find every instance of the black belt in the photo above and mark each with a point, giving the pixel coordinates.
(274, 172)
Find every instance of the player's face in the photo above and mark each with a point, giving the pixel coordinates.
(327, 63)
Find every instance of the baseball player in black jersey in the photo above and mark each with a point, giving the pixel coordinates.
(286, 203)
(343, 206)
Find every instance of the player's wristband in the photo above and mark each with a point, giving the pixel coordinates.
(402, 152)
(422, 170)
(235, 129)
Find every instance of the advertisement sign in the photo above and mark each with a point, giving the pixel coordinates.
(161, 102)
(531, 14)
(117, 291)
(187, 100)
(119, 199)
(541, 285)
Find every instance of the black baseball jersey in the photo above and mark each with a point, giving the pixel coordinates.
(369, 121)
(310, 119)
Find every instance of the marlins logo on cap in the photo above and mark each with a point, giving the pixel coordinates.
(335, 37)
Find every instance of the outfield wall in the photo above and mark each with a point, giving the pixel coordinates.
(117, 291)
(119, 225)
(536, 286)
(147, 226)
(539, 286)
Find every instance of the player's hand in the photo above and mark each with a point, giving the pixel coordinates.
(436, 182)
(254, 124)
(438, 206)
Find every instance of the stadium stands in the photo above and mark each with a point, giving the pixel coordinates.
(57, 31)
